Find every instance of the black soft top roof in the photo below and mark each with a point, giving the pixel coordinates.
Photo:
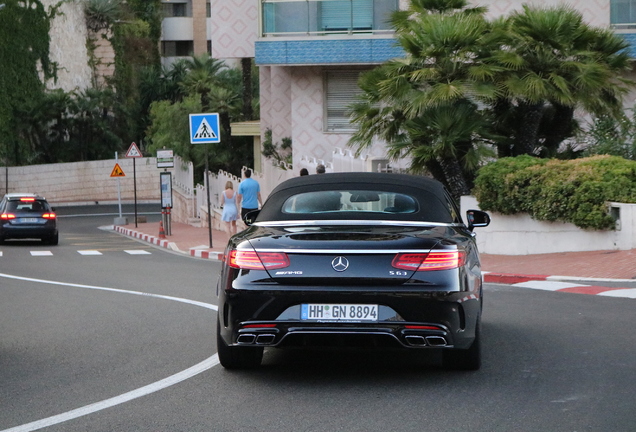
(434, 201)
(368, 178)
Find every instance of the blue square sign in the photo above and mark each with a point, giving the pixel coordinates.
(204, 128)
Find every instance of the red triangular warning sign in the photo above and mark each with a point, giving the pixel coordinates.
(117, 171)
(133, 151)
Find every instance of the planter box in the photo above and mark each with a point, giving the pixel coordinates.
(522, 235)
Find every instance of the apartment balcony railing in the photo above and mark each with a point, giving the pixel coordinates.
(326, 17)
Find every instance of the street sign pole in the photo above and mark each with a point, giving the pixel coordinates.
(135, 187)
(207, 181)
(118, 188)
(133, 152)
(205, 129)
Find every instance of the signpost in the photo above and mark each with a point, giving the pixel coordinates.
(205, 129)
(118, 173)
(133, 152)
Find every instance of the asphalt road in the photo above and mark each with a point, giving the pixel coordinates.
(92, 353)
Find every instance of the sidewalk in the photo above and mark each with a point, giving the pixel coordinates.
(608, 266)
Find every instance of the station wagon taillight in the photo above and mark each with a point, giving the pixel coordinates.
(48, 215)
(437, 260)
(7, 216)
(250, 260)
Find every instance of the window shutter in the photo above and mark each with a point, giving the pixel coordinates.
(337, 15)
(342, 90)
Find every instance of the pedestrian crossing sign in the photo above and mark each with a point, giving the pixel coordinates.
(204, 128)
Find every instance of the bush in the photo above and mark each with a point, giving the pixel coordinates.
(575, 191)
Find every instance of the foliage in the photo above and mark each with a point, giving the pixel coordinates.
(24, 50)
(467, 82)
(279, 153)
(612, 136)
(575, 191)
(202, 84)
(102, 14)
(423, 105)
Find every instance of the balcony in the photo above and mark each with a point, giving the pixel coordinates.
(325, 17)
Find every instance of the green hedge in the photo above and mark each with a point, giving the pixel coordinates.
(575, 191)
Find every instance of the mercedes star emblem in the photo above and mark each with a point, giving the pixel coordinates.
(340, 264)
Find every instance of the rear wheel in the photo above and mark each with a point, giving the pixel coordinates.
(52, 240)
(232, 357)
(465, 359)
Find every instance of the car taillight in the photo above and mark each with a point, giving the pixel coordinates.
(251, 260)
(48, 215)
(27, 199)
(438, 260)
(7, 216)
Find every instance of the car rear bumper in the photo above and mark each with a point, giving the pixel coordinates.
(419, 320)
(25, 232)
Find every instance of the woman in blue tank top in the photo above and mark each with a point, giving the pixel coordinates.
(230, 211)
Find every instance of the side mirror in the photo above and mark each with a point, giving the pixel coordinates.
(477, 218)
(251, 217)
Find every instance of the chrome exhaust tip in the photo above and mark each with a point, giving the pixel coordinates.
(246, 338)
(415, 340)
(265, 339)
(436, 341)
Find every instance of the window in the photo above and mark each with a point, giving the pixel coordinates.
(623, 12)
(342, 90)
(177, 48)
(171, 10)
(347, 14)
(350, 201)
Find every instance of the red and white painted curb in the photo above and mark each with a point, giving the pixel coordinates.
(195, 252)
(556, 283)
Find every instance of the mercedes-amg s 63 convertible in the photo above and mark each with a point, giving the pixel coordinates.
(353, 260)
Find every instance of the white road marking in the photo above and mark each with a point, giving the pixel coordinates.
(0, 253)
(89, 252)
(546, 285)
(41, 253)
(126, 397)
(628, 292)
(137, 252)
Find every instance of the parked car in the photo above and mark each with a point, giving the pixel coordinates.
(27, 216)
(353, 260)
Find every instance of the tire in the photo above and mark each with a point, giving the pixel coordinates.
(465, 359)
(52, 240)
(232, 357)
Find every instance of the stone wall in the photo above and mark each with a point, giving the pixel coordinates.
(521, 235)
(85, 182)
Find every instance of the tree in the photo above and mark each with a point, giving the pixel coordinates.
(552, 64)
(423, 105)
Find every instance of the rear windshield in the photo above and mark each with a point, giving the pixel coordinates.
(26, 206)
(350, 201)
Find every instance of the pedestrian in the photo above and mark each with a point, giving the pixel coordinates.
(230, 210)
(249, 194)
(304, 172)
(320, 169)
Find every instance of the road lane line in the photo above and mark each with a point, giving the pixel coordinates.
(206, 364)
(117, 400)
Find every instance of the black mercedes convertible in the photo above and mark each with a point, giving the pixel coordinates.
(353, 260)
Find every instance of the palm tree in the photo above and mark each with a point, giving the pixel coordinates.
(424, 105)
(554, 63)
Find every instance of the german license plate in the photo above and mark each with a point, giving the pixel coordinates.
(28, 220)
(339, 312)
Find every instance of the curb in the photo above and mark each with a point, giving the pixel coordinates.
(198, 253)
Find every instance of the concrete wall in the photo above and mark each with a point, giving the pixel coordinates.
(85, 182)
(522, 235)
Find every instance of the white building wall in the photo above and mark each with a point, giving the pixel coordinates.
(595, 12)
(233, 28)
